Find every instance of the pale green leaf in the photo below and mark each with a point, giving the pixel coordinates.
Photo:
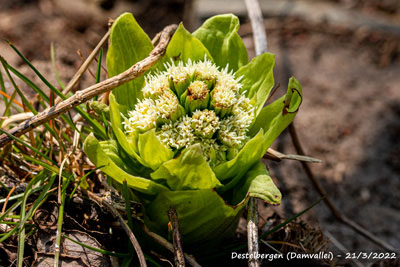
(258, 79)
(219, 35)
(152, 151)
(257, 183)
(274, 118)
(128, 143)
(188, 171)
(99, 157)
(182, 47)
(128, 45)
(238, 166)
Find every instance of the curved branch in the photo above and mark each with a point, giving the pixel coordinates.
(84, 95)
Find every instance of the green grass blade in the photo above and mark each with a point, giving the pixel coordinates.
(39, 91)
(7, 235)
(26, 102)
(38, 201)
(12, 208)
(30, 83)
(3, 88)
(21, 226)
(81, 179)
(125, 192)
(23, 98)
(53, 61)
(10, 103)
(51, 168)
(44, 80)
(27, 145)
(98, 72)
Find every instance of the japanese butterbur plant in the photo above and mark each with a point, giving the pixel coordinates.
(191, 133)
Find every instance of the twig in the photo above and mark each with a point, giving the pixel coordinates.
(336, 213)
(83, 67)
(257, 25)
(94, 90)
(176, 238)
(123, 224)
(252, 232)
(163, 242)
(260, 41)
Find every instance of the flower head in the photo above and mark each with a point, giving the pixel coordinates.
(210, 106)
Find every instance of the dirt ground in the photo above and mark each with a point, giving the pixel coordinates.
(350, 116)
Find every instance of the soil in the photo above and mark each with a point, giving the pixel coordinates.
(350, 115)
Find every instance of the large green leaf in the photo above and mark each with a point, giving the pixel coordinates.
(123, 160)
(258, 79)
(128, 143)
(274, 118)
(203, 215)
(99, 157)
(189, 171)
(152, 151)
(247, 156)
(219, 35)
(182, 47)
(128, 45)
(257, 183)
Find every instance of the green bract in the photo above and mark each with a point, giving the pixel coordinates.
(190, 134)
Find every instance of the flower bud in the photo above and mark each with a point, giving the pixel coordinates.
(229, 134)
(204, 71)
(205, 123)
(196, 96)
(143, 117)
(155, 85)
(178, 134)
(222, 100)
(178, 78)
(168, 108)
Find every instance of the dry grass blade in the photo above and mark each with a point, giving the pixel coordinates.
(278, 156)
(94, 90)
(16, 118)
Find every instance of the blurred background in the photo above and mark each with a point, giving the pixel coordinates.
(345, 53)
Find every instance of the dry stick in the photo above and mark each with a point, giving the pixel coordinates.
(163, 242)
(338, 215)
(260, 41)
(83, 67)
(123, 224)
(94, 90)
(176, 238)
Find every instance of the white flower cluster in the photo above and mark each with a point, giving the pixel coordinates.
(220, 122)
